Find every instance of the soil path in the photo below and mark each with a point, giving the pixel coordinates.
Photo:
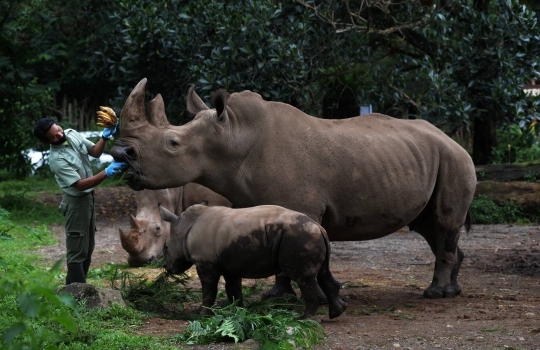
(384, 280)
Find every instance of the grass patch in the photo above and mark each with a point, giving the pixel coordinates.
(27, 211)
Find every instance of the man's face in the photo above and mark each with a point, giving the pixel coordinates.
(55, 135)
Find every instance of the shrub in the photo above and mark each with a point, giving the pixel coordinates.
(485, 211)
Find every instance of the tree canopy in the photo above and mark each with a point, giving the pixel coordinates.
(453, 62)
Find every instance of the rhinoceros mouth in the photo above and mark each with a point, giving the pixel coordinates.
(134, 180)
(138, 261)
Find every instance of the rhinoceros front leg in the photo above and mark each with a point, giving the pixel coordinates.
(233, 288)
(448, 259)
(281, 286)
(209, 277)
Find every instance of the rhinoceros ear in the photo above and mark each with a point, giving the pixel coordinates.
(219, 100)
(168, 216)
(194, 102)
(156, 113)
(133, 115)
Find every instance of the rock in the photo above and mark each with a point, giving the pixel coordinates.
(94, 296)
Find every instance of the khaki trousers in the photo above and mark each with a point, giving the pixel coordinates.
(80, 216)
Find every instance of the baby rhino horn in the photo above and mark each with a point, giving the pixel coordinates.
(133, 115)
(156, 113)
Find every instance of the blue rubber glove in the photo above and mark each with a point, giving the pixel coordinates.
(115, 168)
(108, 132)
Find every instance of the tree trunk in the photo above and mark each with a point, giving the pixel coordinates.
(484, 139)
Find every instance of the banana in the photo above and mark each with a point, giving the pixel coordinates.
(106, 117)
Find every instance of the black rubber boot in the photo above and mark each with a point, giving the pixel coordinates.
(86, 266)
(75, 273)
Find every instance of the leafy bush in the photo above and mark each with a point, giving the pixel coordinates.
(273, 328)
(485, 211)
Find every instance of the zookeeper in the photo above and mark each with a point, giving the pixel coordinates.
(68, 160)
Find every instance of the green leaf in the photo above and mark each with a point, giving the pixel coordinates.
(13, 331)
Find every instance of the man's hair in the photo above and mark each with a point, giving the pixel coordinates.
(42, 126)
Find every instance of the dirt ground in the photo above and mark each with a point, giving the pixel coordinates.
(383, 280)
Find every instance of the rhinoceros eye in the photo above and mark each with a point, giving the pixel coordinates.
(174, 143)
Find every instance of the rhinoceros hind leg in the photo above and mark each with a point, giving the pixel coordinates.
(331, 286)
(455, 271)
(310, 293)
(448, 258)
(281, 287)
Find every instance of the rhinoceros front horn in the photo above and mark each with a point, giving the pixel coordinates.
(129, 242)
(133, 115)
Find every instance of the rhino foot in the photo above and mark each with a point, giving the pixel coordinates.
(437, 292)
(278, 291)
(337, 309)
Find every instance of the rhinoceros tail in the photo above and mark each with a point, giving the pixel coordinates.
(326, 265)
(468, 220)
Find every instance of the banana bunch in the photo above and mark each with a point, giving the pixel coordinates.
(106, 117)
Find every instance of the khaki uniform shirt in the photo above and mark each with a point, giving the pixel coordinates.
(69, 162)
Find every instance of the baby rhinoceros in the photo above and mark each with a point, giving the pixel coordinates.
(255, 242)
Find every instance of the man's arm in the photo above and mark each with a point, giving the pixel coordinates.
(113, 169)
(89, 182)
(97, 150)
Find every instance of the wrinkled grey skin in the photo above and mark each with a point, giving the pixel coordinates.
(252, 243)
(144, 242)
(361, 178)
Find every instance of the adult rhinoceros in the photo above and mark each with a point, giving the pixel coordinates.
(361, 178)
(149, 232)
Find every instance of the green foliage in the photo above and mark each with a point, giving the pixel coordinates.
(20, 106)
(485, 211)
(273, 328)
(517, 144)
(278, 50)
(454, 63)
(32, 304)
